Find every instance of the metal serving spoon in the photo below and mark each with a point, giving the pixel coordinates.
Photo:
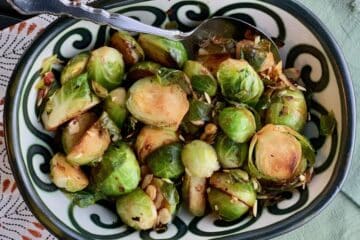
(226, 27)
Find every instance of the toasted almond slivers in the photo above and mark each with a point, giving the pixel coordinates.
(147, 180)
(164, 216)
(158, 200)
(151, 192)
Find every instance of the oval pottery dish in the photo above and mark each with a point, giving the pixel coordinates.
(308, 47)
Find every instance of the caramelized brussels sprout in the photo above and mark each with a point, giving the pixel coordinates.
(213, 61)
(199, 159)
(239, 82)
(69, 101)
(137, 210)
(106, 70)
(168, 53)
(258, 54)
(118, 172)
(287, 107)
(128, 47)
(194, 194)
(165, 162)
(75, 67)
(231, 194)
(75, 130)
(151, 138)
(115, 106)
(157, 104)
(238, 123)
(91, 146)
(281, 155)
(64, 175)
(201, 79)
(142, 69)
(230, 153)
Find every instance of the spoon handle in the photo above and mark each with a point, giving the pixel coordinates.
(100, 16)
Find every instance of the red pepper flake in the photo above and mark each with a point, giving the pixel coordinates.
(48, 78)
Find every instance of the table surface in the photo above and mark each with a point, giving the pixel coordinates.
(340, 220)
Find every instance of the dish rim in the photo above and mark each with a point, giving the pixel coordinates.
(342, 166)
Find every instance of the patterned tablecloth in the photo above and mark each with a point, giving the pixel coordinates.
(17, 222)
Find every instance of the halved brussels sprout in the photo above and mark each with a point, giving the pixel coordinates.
(230, 153)
(151, 138)
(281, 155)
(156, 104)
(213, 61)
(201, 79)
(238, 123)
(72, 99)
(194, 194)
(75, 130)
(91, 146)
(199, 159)
(142, 69)
(108, 124)
(118, 172)
(258, 54)
(239, 82)
(231, 194)
(106, 70)
(165, 162)
(199, 112)
(167, 52)
(173, 76)
(137, 210)
(128, 47)
(170, 195)
(75, 67)
(115, 106)
(287, 107)
(64, 175)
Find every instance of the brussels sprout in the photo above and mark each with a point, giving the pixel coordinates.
(155, 104)
(288, 107)
(75, 130)
(151, 138)
(239, 81)
(72, 99)
(143, 69)
(281, 155)
(165, 162)
(230, 153)
(213, 61)
(231, 194)
(46, 87)
(258, 54)
(128, 47)
(64, 175)
(118, 172)
(108, 124)
(201, 79)
(170, 195)
(238, 123)
(137, 210)
(115, 106)
(167, 52)
(194, 194)
(199, 112)
(106, 70)
(75, 67)
(173, 76)
(199, 159)
(91, 146)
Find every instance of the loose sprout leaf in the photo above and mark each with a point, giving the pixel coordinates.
(327, 123)
(110, 125)
(85, 199)
(199, 110)
(173, 76)
(48, 63)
